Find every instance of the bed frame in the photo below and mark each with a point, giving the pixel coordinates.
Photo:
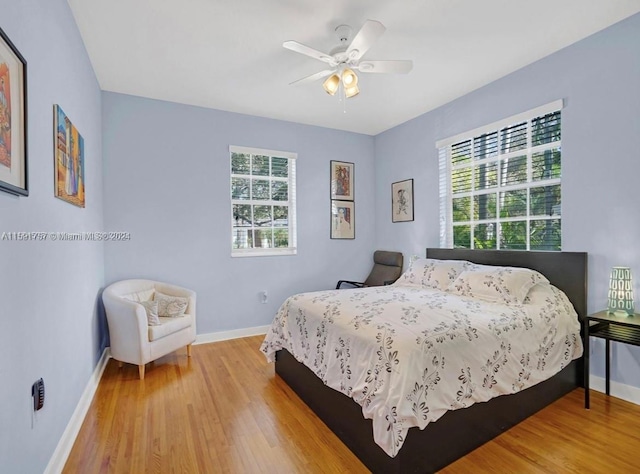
(458, 432)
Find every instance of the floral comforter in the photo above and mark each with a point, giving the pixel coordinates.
(408, 355)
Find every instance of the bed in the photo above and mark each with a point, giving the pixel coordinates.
(456, 432)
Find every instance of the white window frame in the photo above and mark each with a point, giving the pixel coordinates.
(291, 203)
(445, 169)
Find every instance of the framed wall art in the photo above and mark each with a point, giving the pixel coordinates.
(402, 201)
(69, 159)
(343, 224)
(342, 180)
(13, 119)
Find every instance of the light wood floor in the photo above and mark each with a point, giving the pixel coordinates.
(224, 411)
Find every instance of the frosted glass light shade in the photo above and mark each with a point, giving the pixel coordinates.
(350, 83)
(331, 84)
(349, 78)
(621, 291)
(351, 92)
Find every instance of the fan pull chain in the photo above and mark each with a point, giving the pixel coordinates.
(343, 98)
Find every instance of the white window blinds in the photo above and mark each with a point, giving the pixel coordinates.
(263, 202)
(500, 185)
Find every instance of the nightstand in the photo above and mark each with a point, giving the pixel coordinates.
(610, 327)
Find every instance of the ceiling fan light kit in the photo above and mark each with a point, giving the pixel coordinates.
(349, 80)
(344, 59)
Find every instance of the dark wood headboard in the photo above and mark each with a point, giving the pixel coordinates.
(565, 270)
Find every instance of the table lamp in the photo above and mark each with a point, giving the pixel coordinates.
(621, 291)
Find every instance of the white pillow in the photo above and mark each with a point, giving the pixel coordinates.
(171, 306)
(432, 273)
(508, 285)
(151, 307)
(540, 293)
(138, 296)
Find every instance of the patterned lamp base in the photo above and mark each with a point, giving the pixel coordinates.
(621, 291)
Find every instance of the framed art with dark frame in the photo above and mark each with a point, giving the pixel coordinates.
(13, 119)
(343, 223)
(342, 180)
(402, 201)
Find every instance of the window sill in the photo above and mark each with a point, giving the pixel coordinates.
(263, 252)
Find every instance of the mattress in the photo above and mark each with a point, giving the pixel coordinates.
(409, 354)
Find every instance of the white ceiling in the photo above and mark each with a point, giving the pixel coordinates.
(228, 54)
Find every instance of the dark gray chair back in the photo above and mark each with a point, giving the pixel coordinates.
(387, 268)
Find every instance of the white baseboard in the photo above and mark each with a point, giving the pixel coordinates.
(68, 438)
(60, 455)
(233, 334)
(617, 389)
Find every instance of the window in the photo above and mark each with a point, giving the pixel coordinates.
(500, 185)
(263, 202)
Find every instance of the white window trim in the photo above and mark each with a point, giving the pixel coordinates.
(261, 151)
(291, 179)
(522, 117)
(445, 170)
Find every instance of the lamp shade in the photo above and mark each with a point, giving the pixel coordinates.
(621, 291)
(350, 83)
(351, 92)
(349, 78)
(332, 84)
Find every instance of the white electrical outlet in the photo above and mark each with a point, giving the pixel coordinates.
(264, 297)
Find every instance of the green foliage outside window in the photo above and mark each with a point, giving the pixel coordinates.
(263, 182)
(495, 200)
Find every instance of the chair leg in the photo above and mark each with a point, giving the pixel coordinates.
(141, 371)
(120, 364)
(188, 350)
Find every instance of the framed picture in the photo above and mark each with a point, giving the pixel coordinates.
(69, 159)
(343, 224)
(402, 201)
(13, 119)
(342, 180)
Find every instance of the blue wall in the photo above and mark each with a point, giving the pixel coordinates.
(49, 326)
(167, 176)
(599, 79)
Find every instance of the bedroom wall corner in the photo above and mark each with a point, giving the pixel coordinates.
(598, 79)
(167, 175)
(49, 326)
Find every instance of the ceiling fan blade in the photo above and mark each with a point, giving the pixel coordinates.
(307, 51)
(313, 77)
(368, 34)
(382, 67)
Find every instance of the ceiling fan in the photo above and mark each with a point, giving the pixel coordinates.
(346, 58)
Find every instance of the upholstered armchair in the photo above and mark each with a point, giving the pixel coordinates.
(139, 339)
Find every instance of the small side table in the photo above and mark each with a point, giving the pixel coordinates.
(610, 327)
